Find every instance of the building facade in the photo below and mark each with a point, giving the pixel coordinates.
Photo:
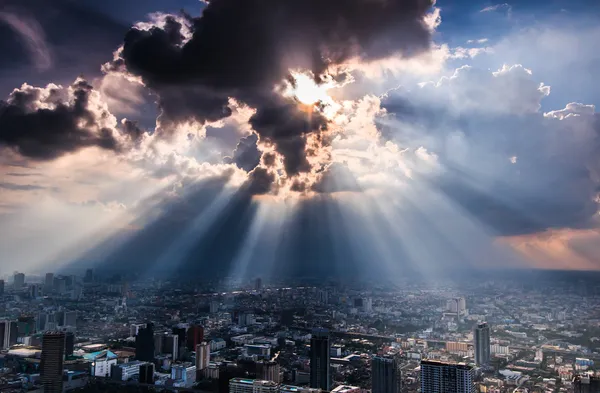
(320, 375)
(442, 377)
(481, 344)
(384, 375)
(52, 361)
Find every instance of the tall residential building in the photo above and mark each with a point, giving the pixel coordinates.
(49, 283)
(268, 371)
(8, 333)
(441, 377)
(586, 384)
(481, 345)
(19, 280)
(202, 356)
(320, 376)
(69, 343)
(52, 360)
(195, 336)
(144, 344)
(385, 375)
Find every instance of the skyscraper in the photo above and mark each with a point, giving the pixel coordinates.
(49, 283)
(8, 333)
(147, 373)
(19, 280)
(51, 365)
(89, 275)
(385, 376)
(320, 376)
(69, 343)
(144, 343)
(171, 345)
(202, 356)
(481, 337)
(1, 287)
(258, 284)
(195, 335)
(441, 377)
(268, 371)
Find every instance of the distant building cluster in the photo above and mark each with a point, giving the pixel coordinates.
(59, 333)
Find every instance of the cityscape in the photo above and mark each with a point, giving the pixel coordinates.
(299, 196)
(103, 333)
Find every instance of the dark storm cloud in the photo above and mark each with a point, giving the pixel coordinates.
(40, 124)
(242, 49)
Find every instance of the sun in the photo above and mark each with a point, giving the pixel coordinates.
(306, 90)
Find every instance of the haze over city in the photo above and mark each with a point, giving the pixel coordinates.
(299, 196)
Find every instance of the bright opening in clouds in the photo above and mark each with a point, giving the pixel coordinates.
(341, 138)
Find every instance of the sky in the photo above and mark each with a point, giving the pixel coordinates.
(297, 138)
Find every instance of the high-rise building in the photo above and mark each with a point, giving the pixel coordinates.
(135, 328)
(42, 318)
(144, 343)
(19, 280)
(89, 276)
(70, 318)
(185, 373)
(49, 283)
(202, 356)
(69, 343)
(25, 326)
(181, 333)
(171, 345)
(268, 371)
(195, 335)
(60, 285)
(481, 338)
(441, 377)
(1, 287)
(586, 384)
(385, 375)
(320, 376)
(51, 365)
(258, 284)
(8, 333)
(147, 373)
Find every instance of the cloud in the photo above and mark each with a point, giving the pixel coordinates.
(45, 123)
(478, 122)
(498, 7)
(33, 37)
(20, 187)
(196, 65)
(479, 41)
